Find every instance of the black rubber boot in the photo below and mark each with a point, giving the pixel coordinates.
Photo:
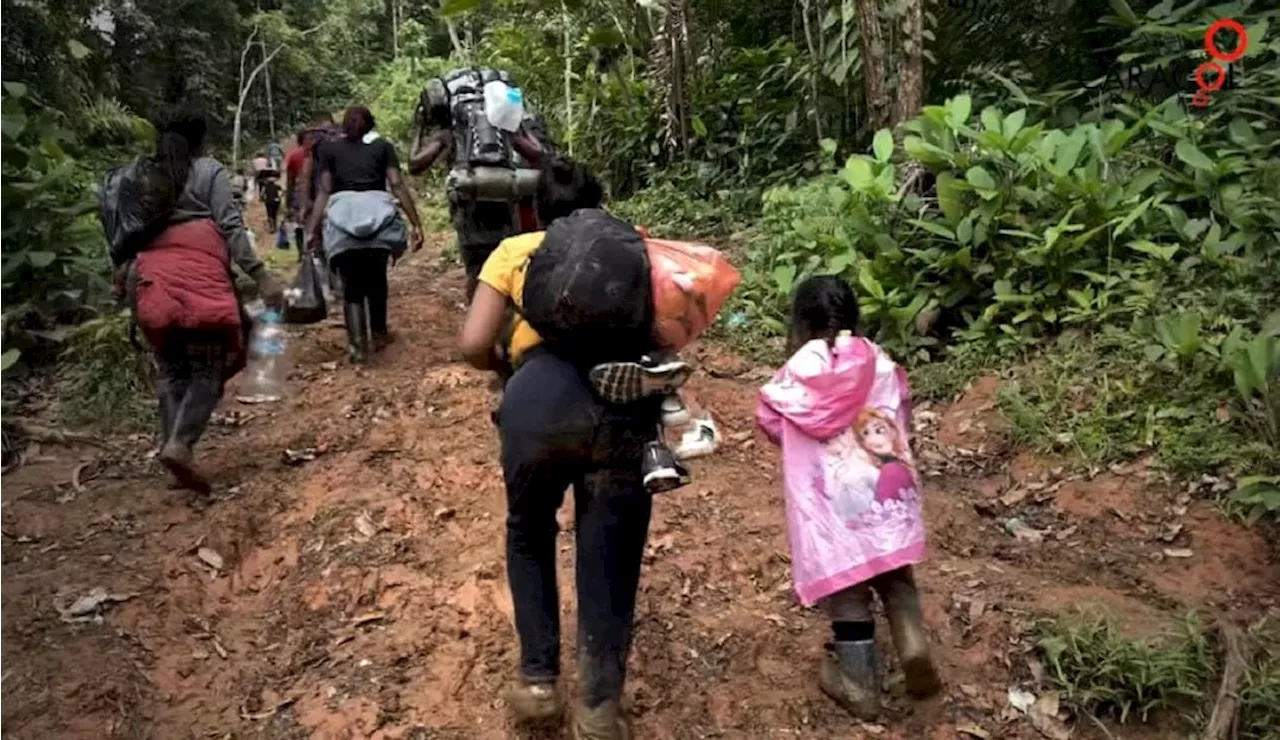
(906, 623)
(851, 676)
(359, 337)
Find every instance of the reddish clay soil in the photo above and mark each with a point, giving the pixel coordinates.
(363, 594)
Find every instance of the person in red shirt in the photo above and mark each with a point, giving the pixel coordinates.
(295, 175)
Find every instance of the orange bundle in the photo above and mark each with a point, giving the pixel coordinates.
(690, 284)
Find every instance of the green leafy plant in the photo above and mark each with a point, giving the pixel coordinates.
(54, 256)
(1103, 672)
(106, 379)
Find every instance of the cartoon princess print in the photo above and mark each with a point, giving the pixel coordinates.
(878, 435)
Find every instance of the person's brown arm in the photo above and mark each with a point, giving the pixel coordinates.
(529, 148)
(429, 148)
(405, 196)
(482, 327)
(322, 202)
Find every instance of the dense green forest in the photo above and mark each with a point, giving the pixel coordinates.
(1006, 182)
(1025, 188)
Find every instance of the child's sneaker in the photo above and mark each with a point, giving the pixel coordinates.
(674, 412)
(627, 382)
(702, 439)
(662, 471)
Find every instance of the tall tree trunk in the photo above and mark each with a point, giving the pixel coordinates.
(911, 83)
(395, 29)
(266, 79)
(672, 65)
(816, 54)
(568, 75)
(875, 64)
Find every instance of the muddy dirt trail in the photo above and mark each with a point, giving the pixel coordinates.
(362, 593)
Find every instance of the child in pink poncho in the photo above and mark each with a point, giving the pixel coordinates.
(841, 411)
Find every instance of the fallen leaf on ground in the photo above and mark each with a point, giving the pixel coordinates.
(210, 557)
(257, 716)
(88, 606)
(368, 617)
(365, 526)
(1021, 700)
(973, 730)
(1044, 717)
(297, 457)
(1178, 552)
(1022, 531)
(1015, 496)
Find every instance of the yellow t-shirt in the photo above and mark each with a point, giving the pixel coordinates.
(504, 272)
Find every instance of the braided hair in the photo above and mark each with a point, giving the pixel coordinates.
(824, 306)
(179, 142)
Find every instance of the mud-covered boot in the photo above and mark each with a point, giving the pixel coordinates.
(359, 341)
(906, 623)
(850, 675)
(180, 460)
(534, 701)
(604, 722)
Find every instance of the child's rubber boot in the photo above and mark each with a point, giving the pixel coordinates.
(628, 382)
(849, 675)
(906, 624)
(604, 722)
(534, 701)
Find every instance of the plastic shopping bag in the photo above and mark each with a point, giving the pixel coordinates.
(304, 302)
(690, 284)
(282, 238)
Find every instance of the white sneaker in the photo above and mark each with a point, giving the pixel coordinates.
(674, 412)
(702, 439)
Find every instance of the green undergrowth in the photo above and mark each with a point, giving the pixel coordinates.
(1101, 397)
(1104, 672)
(105, 382)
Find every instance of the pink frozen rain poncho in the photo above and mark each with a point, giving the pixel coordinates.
(842, 417)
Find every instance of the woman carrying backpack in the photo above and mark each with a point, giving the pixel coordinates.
(361, 226)
(556, 432)
(182, 290)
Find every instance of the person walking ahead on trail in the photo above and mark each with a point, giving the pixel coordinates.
(271, 199)
(555, 432)
(361, 226)
(183, 294)
(841, 411)
(449, 124)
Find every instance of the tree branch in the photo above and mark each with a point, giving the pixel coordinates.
(1222, 722)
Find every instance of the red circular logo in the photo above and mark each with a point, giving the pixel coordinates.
(1242, 42)
(1218, 79)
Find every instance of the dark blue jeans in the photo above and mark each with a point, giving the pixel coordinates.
(555, 434)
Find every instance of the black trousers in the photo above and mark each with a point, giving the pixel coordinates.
(273, 215)
(191, 379)
(556, 434)
(364, 280)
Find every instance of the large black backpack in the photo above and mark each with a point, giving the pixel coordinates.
(324, 134)
(587, 289)
(130, 215)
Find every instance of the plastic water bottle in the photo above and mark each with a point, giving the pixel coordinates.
(267, 370)
(504, 105)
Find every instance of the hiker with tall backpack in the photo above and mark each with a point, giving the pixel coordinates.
(556, 432)
(355, 221)
(174, 229)
(478, 120)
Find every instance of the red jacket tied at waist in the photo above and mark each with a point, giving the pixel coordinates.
(184, 282)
